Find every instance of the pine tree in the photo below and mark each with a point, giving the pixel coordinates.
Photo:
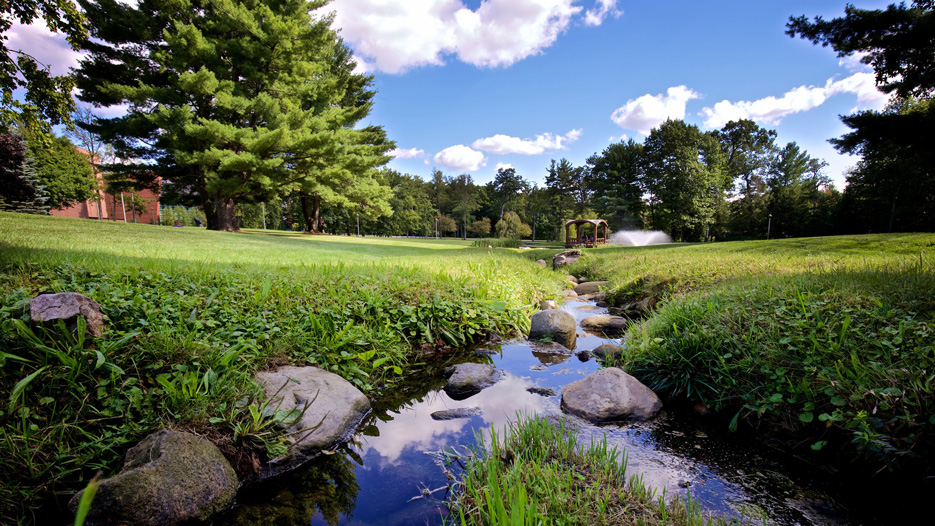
(233, 100)
(20, 188)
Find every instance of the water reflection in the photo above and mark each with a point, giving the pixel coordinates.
(388, 463)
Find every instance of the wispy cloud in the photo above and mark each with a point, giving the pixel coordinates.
(771, 110)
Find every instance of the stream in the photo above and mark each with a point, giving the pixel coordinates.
(379, 477)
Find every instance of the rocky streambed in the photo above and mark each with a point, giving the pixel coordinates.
(388, 473)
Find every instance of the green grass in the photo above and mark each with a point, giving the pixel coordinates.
(536, 473)
(194, 314)
(825, 344)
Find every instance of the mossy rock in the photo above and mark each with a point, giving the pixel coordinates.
(169, 478)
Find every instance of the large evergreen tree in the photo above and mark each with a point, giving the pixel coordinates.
(616, 182)
(232, 100)
(20, 187)
(895, 179)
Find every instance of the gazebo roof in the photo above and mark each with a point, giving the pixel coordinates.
(594, 222)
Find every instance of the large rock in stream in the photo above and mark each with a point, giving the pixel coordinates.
(605, 323)
(556, 325)
(169, 478)
(468, 379)
(589, 287)
(610, 395)
(329, 402)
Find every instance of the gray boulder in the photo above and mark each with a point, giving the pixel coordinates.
(572, 279)
(569, 295)
(468, 379)
(608, 351)
(589, 287)
(541, 262)
(460, 412)
(605, 323)
(68, 306)
(565, 258)
(610, 395)
(554, 324)
(641, 308)
(548, 304)
(329, 402)
(169, 478)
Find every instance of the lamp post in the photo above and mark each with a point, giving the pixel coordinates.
(769, 223)
(436, 228)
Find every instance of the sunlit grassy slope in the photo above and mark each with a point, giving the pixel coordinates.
(52, 240)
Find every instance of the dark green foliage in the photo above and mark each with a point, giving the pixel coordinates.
(615, 179)
(685, 178)
(20, 187)
(748, 151)
(801, 198)
(899, 42)
(66, 173)
(892, 188)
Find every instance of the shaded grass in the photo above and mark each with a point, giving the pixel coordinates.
(537, 473)
(194, 314)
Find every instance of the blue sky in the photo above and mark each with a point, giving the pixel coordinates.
(467, 86)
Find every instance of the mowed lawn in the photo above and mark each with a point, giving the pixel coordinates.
(47, 240)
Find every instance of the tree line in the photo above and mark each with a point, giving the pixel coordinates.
(251, 110)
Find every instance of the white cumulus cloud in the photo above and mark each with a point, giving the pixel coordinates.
(460, 157)
(407, 153)
(645, 113)
(603, 8)
(504, 166)
(771, 110)
(396, 36)
(505, 144)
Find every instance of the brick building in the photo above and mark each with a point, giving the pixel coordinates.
(109, 207)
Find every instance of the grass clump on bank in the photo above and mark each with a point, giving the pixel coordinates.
(824, 344)
(193, 315)
(843, 359)
(537, 474)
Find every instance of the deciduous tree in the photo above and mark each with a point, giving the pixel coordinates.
(686, 178)
(47, 99)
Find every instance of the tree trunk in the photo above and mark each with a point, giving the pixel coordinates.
(133, 206)
(535, 216)
(307, 212)
(226, 214)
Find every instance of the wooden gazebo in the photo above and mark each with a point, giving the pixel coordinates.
(582, 238)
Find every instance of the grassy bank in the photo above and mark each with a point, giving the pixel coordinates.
(824, 344)
(536, 473)
(193, 314)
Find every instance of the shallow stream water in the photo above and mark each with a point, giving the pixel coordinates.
(382, 475)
